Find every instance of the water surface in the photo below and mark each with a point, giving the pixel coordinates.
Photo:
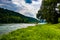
(5, 28)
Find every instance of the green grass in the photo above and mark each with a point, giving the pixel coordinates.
(58, 19)
(38, 32)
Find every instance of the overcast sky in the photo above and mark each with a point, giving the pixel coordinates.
(25, 7)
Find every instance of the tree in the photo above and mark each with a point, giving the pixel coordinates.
(48, 11)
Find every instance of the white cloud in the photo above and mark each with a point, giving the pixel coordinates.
(31, 8)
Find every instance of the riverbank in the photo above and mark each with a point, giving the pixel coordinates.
(6, 28)
(38, 32)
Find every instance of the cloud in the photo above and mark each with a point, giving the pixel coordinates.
(5, 1)
(27, 9)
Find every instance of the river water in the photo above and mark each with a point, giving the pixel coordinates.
(5, 28)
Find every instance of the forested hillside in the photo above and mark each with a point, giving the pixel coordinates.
(7, 16)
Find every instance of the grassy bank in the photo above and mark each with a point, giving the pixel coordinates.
(38, 32)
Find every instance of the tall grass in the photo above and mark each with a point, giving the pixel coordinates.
(58, 19)
(38, 32)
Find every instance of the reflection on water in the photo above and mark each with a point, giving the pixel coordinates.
(5, 28)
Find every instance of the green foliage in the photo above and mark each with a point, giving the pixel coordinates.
(38, 32)
(48, 11)
(7, 16)
(59, 20)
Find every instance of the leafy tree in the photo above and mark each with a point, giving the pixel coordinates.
(48, 11)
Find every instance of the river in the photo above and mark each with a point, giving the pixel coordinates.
(5, 28)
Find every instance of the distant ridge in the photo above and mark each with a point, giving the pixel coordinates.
(8, 16)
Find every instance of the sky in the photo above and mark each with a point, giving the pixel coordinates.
(25, 7)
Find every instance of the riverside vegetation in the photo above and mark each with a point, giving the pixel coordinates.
(38, 32)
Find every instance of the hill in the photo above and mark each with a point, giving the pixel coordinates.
(8, 16)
